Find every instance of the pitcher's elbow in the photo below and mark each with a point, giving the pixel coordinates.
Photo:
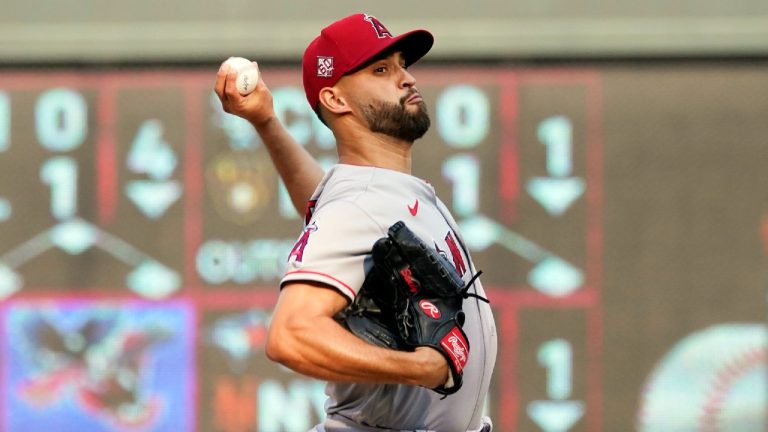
(275, 348)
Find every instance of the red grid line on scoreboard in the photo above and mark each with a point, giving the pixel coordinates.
(191, 83)
(107, 86)
(591, 289)
(508, 305)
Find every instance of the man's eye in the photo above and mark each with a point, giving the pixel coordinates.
(381, 69)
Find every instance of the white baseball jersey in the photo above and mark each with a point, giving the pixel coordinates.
(353, 207)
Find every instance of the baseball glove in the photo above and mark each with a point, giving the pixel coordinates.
(413, 297)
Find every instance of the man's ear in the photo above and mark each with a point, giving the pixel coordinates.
(333, 101)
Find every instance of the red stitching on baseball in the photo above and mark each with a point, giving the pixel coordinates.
(724, 379)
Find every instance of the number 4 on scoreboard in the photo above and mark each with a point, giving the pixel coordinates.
(150, 154)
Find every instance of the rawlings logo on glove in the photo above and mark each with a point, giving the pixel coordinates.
(413, 297)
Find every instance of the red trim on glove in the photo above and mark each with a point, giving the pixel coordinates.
(455, 344)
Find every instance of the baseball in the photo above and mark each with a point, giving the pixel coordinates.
(713, 380)
(247, 74)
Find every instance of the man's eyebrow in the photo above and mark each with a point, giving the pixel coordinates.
(385, 55)
(380, 57)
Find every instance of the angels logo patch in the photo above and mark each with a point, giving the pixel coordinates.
(324, 66)
(381, 31)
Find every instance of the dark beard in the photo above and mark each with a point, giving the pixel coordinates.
(394, 120)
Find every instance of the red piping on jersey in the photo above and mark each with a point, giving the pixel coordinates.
(354, 294)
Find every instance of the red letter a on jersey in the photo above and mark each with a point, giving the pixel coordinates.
(458, 260)
(297, 253)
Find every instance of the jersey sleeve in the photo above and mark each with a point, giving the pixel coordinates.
(334, 248)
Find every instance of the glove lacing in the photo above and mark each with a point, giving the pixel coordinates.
(464, 291)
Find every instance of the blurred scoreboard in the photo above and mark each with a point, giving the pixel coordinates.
(143, 233)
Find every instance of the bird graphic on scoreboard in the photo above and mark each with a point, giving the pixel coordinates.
(100, 365)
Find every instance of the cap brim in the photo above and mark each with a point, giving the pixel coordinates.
(413, 44)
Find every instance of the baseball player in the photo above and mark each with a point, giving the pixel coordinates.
(356, 79)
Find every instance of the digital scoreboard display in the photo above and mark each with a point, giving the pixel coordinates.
(618, 213)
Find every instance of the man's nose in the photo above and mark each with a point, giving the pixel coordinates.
(408, 80)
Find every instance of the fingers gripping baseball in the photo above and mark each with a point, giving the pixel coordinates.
(254, 106)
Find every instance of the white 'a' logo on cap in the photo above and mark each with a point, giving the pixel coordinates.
(324, 66)
(381, 31)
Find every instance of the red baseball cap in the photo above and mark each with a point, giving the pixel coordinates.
(348, 44)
